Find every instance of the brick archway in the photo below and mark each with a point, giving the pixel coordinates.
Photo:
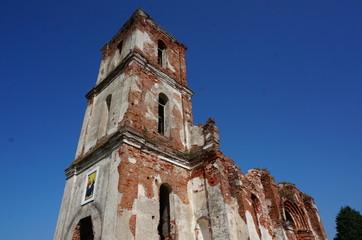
(87, 211)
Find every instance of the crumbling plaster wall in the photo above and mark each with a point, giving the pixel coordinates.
(141, 34)
(119, 90)
(141, 175)
(201, 193)
(211, 188)
(315, 220)
(144, 94)
(72, 210)
(138, 86)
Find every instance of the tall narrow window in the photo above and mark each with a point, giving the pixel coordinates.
(104, 117)
(162, 101)
(164, 227)
(120, 46)
(161, 53)
(257, 212)
(108, 101)
(289, 220)
(84, 230)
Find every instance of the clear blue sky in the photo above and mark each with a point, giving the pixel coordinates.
(281, 78)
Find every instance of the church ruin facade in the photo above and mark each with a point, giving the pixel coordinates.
(143, 171)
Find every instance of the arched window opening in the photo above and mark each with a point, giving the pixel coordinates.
(203, 231)
(162, 101)
(257, 212)
(294, 217)
(289, 220)
(161, 53)
(104, 117)
(84, 230)
(164, 227)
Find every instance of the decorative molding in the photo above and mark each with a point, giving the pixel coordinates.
(139, 58)
(127, 136)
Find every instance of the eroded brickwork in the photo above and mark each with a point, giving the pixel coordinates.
(139, 168)
(208, 196)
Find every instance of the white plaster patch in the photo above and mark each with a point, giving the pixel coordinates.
(150, 101)
(196, 136)
(296, 197)
(238, 227)
(132, 160)
(265, 234)
(251, 226)
(141, 190)
(156, 86)
(124, 99)
(182, 218)
(182, 136)
(169, 66)
(199, 197)
(239, 183)
(150, 114)
(147, 219)
(140, 39)
(315, 207)
(134, 86)
(207, 146)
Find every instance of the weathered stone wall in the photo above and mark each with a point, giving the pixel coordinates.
(134, 80)
(141, 34)
(209, 198)
(71, 209)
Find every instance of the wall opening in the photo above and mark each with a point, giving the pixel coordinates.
(161, 53)
(295, 222)
(294, 216)
(164, 227)
(257, 212)
(162, 101)
(103, 124)
(84, 230)
(119, 47)
(289, 220)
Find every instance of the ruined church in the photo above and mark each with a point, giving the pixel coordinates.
(144, 171)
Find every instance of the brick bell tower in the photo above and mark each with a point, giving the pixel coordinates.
(135, 132)
(143, 171)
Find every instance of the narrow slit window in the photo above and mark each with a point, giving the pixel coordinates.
(162, 101)
(161, 53)
(108, 102)
(164, 227)
(257, 212)
(120, 46)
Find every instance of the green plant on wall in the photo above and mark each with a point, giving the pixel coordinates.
(286, 194)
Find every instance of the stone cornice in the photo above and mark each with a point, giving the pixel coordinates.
(138, 57)
(125, 136)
